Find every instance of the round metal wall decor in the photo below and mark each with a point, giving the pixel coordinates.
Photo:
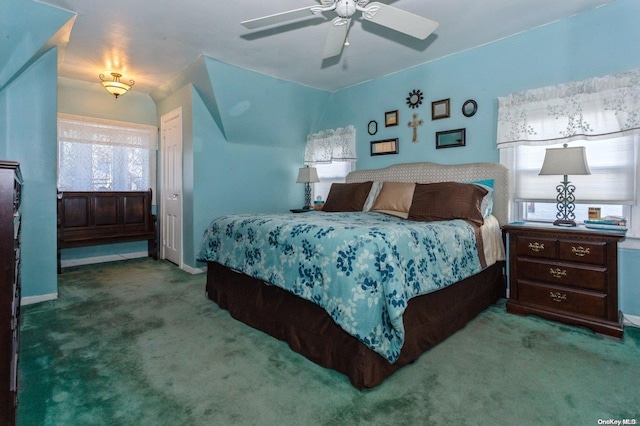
(414, 100)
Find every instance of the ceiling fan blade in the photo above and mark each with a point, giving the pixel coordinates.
(335, 40)
(399, 20)
(278, 18)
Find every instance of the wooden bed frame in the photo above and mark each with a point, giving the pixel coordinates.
(105, 217)
(428, 319)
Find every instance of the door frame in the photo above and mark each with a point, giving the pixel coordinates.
(171, 115)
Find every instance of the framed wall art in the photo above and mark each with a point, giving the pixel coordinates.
(451, 138)
(384, 147)
(391, 118)
(440, 109)
(469, 108)
(372, 127)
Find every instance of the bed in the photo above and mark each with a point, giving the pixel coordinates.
(378, 277)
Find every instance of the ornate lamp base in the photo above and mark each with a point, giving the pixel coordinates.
(565, 204)
(307, 196)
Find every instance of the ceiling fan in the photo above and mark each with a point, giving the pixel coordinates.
(378, 13)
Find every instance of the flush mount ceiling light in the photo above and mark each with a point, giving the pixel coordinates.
(115, 86)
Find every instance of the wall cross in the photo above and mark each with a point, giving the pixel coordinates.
(415, 123)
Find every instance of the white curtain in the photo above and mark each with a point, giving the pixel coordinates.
(96, 154)
(79, 129)
(602, 114)
(590, 109)
(331, 145)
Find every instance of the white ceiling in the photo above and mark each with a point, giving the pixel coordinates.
(150, 41)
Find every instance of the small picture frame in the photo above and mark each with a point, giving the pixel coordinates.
(384, 147)
(391, 118)
(440, 109)
(451, 138)
(469, 108)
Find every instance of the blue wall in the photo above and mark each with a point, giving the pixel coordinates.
(599, 42)
(90, 99)
(28, 92)
(31, 140)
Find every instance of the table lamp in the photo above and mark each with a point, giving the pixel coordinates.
(565, 161)
(307, 175)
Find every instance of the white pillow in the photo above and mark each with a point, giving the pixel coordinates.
(373, 194)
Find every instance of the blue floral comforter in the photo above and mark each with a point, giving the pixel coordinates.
(362, 268)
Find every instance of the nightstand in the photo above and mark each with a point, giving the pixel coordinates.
(568, 275)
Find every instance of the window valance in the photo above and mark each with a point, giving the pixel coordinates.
(331, 145)
(596, 108)
(90, 130)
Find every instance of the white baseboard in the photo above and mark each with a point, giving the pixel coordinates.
(102, 259)
(192, 270)
(30, 300)
(631, 320)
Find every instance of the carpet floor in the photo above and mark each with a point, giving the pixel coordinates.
(137, 343)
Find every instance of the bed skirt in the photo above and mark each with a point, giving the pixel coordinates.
(310, 331)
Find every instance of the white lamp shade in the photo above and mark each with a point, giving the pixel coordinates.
(565, 161)
(116, 87)
(307, 175)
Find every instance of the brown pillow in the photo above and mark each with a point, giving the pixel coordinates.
(447, 201)
(347, 197)
(394, 199)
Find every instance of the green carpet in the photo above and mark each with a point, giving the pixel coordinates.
(137, 343)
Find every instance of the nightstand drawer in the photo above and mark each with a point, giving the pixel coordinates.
(576, 301)
(536, 247)
(589, 277)
(583, 252)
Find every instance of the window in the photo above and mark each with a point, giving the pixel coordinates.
(610, 186)
(333, 154)
(598, 113)
(328, 174)
(95, 155)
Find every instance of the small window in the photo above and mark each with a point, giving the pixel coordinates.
(546, 212)
(334, 172)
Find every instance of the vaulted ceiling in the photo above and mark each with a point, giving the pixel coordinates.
(151, 41)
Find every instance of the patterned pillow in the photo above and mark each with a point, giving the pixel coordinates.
(394, 199)
(347, 197)
(447, 201)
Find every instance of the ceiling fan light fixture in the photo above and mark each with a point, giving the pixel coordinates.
(115, 86)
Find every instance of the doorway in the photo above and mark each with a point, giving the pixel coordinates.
(171, 190)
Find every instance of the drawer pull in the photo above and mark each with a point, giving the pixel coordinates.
(557, 272)
(557, 296)
(536, 246)
(580, 251)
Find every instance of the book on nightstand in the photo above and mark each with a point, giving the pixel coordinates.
(609, 223)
